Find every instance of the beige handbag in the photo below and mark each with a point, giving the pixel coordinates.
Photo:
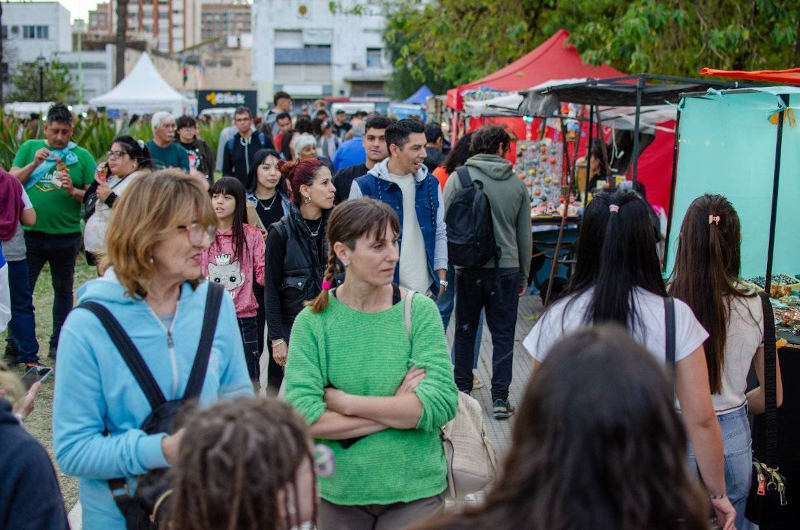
(471, 458)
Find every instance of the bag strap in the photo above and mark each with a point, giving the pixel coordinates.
(407, 312)
(770, 385)
(463, 176)
(669, 320)
(198, 374)
(130, 354)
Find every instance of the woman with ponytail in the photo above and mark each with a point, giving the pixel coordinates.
(706, 277)
(296, 252)
(373, 386)
(621, 283)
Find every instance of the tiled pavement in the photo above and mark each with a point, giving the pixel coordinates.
(499, 431)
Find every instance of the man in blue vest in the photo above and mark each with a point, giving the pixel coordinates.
(403, 182)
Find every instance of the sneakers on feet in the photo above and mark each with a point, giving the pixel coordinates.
(476, 381)
(502, 409)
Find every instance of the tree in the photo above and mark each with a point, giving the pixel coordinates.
(451, 42)
(122, 29)
(58, 84)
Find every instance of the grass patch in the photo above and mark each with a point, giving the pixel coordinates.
(40, 422)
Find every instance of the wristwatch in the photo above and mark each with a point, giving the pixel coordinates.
(444, 283)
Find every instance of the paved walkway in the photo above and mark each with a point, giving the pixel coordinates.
(499, 431)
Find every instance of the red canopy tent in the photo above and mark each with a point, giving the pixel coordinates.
(553, 59)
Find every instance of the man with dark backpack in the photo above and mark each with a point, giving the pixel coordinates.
(241, 149)
(487, 212)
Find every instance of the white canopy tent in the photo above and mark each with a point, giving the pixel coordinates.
(144, 91)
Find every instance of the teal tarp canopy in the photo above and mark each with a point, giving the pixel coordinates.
(727, 146)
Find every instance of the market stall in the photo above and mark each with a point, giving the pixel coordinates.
(745, 145)
(623, 99)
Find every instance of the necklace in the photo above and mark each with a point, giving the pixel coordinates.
(270, 202)
(314, 233)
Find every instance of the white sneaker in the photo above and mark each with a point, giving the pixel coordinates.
(476, 381)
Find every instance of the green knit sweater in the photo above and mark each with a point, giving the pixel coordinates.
(369, 354)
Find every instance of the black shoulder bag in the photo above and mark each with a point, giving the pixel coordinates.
(766, 502)
(145, 509)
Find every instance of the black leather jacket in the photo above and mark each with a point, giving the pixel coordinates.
(301, 270)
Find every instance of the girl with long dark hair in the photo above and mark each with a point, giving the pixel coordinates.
(706, 277)
(607, 455)
(267, 202)
(235, 259)
(296, 251)
(623, 285)
(267, 191)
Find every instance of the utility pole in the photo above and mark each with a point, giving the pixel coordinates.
(122, 28)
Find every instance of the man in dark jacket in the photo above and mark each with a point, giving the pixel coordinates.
(375, 146)
(495, 287)
(201, 159)
(433, 147)
(240, 150)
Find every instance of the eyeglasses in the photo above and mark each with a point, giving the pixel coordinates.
(116, 154)
(198, 232)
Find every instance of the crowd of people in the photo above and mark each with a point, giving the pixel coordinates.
(322, 269)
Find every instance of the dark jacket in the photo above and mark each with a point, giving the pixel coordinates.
(238, 154)
(343, 180)
(296, 263)
(30, 497)
(434, 159)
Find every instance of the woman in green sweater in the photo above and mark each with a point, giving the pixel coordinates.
(371, 392)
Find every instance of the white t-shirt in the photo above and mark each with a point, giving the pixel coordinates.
(413, 259)
(649, 330)
(744, 336)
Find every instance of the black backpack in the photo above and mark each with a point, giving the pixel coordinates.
(470, 232)
(147, 509)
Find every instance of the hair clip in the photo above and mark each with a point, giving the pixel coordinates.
(326, 286)
(713, 219)
(141, 144)
(613, 208)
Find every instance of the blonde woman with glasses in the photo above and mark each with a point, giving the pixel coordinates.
(152, 284)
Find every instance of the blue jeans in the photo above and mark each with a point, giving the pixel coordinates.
(496, 291)
(22, 328)
(736, 447)
(446, 304)
(61, 251)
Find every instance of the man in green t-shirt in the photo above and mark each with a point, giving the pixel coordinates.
(164, 151)
(55, 173)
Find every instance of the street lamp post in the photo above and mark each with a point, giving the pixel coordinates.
(40, 61)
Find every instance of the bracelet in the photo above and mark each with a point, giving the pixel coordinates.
(277, 342)
(717, 497)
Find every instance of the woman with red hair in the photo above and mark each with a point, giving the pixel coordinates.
(296, 250)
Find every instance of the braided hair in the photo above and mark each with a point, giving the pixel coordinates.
(238, 468)
(349, 221)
